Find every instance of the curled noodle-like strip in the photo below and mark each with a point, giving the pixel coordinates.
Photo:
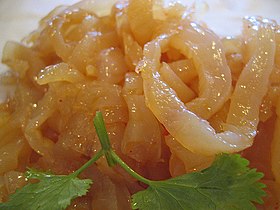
(62, 46)
(206, 50)
(47, 106)
(33, 134)
(187, 128)
(141, 20)
(253, 81)
(59, 72)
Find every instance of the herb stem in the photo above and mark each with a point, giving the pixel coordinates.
(88, 163)
(129, 170)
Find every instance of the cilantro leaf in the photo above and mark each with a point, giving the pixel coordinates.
(227, 184)
(51, 192)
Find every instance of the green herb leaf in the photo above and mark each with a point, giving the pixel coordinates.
(227, 184)
(53, 192)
